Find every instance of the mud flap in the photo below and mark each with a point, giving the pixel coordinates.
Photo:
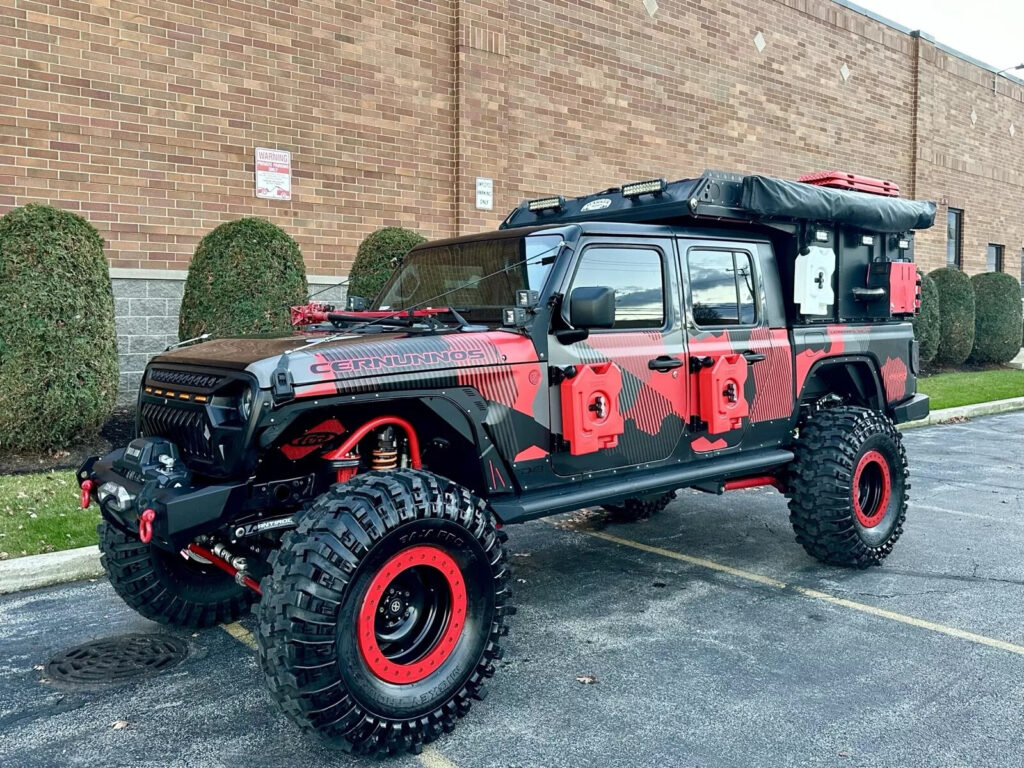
(720, 398)
(591, 417)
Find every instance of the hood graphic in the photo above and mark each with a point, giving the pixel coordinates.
(357, 357)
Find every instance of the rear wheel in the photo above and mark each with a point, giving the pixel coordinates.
(641, 508)
(848, 486)
(382, 617)
(166, 587)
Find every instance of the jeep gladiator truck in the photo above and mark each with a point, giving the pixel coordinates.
(716, 333)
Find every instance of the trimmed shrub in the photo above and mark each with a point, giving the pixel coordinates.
(377, 258)
(997, 318)
(58, 350)
(927, 321)
(956, 316)
(244, 276)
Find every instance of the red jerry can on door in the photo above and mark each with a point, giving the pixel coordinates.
(722, 402)
(591, 419)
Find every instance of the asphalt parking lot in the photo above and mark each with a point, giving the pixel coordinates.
(713, 638)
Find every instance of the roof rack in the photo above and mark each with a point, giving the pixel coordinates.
(718, 195)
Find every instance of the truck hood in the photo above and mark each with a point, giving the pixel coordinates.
(355, 356)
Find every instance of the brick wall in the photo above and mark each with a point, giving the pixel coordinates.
(144, 116)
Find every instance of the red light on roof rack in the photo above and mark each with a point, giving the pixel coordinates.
(840, 180)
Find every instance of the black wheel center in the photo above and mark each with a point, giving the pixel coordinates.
(412, 614)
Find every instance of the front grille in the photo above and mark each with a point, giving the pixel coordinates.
(186, 427)
(186, 378)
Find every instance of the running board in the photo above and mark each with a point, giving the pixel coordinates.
(550, 501)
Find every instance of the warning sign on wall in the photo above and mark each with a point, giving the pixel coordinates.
(273, 174)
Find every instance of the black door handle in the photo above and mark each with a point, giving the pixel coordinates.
(754, 357)
(664, 363)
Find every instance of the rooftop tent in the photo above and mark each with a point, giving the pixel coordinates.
(717, 195)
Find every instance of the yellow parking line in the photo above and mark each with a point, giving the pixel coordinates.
(240, 633)
(815, 594)
(431, 758)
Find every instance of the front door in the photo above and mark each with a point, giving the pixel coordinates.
(619, 397)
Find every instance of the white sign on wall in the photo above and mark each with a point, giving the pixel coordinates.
(273, 174)
(484, 194)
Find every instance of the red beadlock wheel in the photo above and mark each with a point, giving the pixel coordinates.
(872, 488)
(412, 615)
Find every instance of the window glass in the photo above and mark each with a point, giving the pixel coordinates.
(954, 237)
(479, 276)
(722, 287)
(994, 258)
(637, 278)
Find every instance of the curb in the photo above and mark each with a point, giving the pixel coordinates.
(36, 571)
(967, 412)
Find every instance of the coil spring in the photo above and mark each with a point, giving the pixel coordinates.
(385, 455)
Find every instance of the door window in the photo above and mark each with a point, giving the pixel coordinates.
(637, 277)
(722, 287)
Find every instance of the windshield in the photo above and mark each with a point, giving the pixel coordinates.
(478, 278)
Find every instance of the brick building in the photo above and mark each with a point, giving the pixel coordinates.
(143, 116)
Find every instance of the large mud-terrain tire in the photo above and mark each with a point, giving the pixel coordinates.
(848, 486)
(165, 587)
(632, 510)
(382, 615)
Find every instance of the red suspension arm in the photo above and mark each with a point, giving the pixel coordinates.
(343, 450)
(225, 566)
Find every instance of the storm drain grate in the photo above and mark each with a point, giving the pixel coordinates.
(116, 659)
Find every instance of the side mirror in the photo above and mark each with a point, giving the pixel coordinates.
(355, 304)
(592, 307)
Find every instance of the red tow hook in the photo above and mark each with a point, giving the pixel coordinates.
(146, 525)
(86, 493)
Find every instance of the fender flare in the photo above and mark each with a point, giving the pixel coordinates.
(874, 391)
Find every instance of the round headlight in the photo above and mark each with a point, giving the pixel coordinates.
(245, 404)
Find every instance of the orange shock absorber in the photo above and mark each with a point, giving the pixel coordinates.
(385, 455)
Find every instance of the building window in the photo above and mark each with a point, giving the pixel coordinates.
(994, 258)
(954, 238)
(637, 277)
(722, 288)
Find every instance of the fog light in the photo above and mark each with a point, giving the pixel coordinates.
(116, 497)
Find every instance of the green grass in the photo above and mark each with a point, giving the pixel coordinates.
(40, 513)
(948, 390)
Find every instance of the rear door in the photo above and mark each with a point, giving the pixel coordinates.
(618, 398)
(741, 366)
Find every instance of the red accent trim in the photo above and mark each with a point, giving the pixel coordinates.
(343, 451)
(751, 482)
(312, 439)
(86, 493)
(225, 566)
(871, 518)
(530, 454)
(703, 445)
(146, 525)
(413, 557)
(323, 389)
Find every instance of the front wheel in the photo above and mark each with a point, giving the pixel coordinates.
(165, 587)
(382, 617)
(848, 486)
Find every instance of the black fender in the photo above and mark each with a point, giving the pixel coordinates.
(857, 376)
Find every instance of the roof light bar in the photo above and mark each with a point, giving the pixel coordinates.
(546, 203)
(649, 187)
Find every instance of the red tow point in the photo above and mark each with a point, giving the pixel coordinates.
(146, 526)
(86, 493)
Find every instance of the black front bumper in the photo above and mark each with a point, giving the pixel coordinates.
(182, 513)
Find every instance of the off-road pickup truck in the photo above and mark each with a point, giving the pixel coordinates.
(715, 333)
